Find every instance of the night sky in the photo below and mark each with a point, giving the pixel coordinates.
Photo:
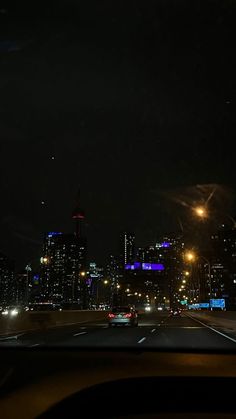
(131, 102)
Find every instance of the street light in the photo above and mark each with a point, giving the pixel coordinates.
(105, 282)
(190, 256)
(44, 260)
(200, 212)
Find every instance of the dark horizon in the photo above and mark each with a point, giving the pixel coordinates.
(134, 104)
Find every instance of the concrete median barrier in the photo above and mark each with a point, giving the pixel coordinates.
(47, 319)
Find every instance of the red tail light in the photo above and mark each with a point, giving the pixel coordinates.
(111, 315)
(128, 315)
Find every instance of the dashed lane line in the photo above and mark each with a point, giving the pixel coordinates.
(81, 333)
(142, 340)
(11, 337)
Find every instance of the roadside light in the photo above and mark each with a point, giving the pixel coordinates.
(44, 260)
(82, 273)
(155, 298)
(187, 273)
(140, 295)
(135, 293)
(184, 281)
(128, 290)
(200, 212)
(190, 256)
(180, 289)
(105, 282)
(118, 286)
(14, 312)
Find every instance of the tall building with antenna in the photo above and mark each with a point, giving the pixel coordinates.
(78, 216)
(63, 266)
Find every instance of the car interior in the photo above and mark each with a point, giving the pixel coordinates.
(117, 384)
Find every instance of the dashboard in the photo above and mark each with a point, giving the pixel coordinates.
(116, 384)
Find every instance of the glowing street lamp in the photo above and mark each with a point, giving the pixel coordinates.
(190, 256)
(200, 212)
(82, 273)
(105, 282)
(44, 260)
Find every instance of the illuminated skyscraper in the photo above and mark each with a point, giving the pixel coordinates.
(127, 244)
(7, 283)
(63, 267)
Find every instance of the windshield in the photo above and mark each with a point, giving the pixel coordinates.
(117, 178)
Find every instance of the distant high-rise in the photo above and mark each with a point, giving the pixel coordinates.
(7, 282)
(78, 216)
(127, 244)
(63, 267)
(223, 266)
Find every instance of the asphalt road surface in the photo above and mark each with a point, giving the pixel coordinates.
(155, 330)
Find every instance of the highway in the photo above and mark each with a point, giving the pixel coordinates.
(155, 330)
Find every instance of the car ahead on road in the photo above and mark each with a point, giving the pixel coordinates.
(175, 312)
(123, 316)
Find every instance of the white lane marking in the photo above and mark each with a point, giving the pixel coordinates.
(214, 330)
(142, 340)
(82, 328)
(153, 330)
(11, 337)
(81, 333)
(185, 327)
(35, 344)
